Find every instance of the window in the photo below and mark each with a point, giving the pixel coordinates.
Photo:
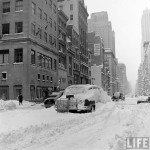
(43, 61)
(54, 42)
(45, 17)
(39, 33)
(32, 57)
(55, 64)
(71, 17)
(18, 55)
(33, 29)
(4, 75)
(50, 39)
(50, 22)
(47, 78)
(38, 92)
(51, 79)
(39, 59)
(50, 4)
(39, 76)
(45, 36)
(5, 28)
(71, 6)
(19, 5)
(4, 56)
(43, 77)
(55, 25)
(50, 63)
(39, 13)
(18, 27)
(33, 8)
(54, 8)
(6, 7)
(46, 62)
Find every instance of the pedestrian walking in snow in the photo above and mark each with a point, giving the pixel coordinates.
(20, 98)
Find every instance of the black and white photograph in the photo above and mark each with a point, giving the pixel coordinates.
(74, 74)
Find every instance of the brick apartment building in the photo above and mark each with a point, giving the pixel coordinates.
(28, 48)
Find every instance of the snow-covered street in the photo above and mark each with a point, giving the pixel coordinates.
(34, 127)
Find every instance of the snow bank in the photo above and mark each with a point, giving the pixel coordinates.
(7, 105)
(104, 97)
(10, 105)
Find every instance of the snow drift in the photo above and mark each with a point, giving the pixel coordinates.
(7, 105)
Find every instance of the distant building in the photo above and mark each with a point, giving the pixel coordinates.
(102, 27)
(28, 48)
(145, 23)
(96, 47)
(96, 75)
(110, 66)
(123, 79)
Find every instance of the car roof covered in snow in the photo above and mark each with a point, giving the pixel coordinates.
(86, 86)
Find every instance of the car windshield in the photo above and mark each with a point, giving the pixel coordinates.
(74, 90)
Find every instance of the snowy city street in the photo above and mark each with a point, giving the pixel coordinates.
(31, 126)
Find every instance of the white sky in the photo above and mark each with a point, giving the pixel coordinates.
(125, 16)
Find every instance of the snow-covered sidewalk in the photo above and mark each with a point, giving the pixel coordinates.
(45, 129)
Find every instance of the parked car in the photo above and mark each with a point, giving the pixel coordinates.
(147, 100)
(50, 101)
(117, 96)
(79, 98)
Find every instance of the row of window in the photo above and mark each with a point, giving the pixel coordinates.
(47, 38)
(43, 16)
(18, 56)
(18, 28)
(38, 10)
(18, 6)
(44, 78)
(43, 61)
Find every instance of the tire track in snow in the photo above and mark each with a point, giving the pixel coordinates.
(46, 133)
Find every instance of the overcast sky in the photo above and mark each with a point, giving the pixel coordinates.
(125, 16)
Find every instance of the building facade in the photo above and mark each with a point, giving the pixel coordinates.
(102, 27)
(112, 71)
(28, 48)
(77, 14)
(62, 47)
(96, 47)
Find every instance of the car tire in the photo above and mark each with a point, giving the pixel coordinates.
(92, 108)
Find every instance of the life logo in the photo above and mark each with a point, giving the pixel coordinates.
(141, 143)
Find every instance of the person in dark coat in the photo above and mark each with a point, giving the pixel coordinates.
(20, 98)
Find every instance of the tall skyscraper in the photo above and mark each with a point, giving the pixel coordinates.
(102, 27)
(145, 28)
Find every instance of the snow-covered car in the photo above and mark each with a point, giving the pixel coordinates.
(79, 98)
(50, 101)
(117, 96)
(147, 100)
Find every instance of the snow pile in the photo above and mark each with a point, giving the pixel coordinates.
(104, 97)
(10, 105)
(2, 104)
(7, 105)
(44, 129)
